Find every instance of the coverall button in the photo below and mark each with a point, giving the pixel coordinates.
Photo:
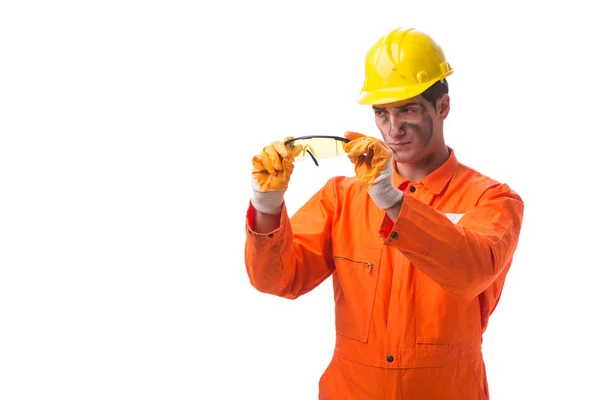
(412, 189)
(249, 231)
(390, 358)
(270, 235)
(394, 235)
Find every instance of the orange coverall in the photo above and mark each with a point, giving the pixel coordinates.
(412, 296)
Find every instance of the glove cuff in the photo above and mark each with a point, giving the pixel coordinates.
(383, 192)
(270, 202)
(385, 195)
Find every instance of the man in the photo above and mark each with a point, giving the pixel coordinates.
(417, 244)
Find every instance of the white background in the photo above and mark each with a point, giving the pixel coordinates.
(126, 133)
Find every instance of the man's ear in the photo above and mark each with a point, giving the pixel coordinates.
(443, 106)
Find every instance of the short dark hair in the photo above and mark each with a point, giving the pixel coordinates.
(435, 91)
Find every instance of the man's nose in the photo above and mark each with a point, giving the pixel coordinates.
(397, 127)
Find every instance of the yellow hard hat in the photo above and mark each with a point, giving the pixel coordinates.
(401, 65)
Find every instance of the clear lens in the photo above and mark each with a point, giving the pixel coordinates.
(319, 147)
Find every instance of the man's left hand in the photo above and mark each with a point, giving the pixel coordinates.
(372, 160)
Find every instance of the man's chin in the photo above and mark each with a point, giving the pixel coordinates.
(405, 157)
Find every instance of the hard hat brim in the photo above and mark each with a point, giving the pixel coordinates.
(385, 96)
(392, 95)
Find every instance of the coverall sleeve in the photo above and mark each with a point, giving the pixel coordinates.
(463, 258)
(296, 257)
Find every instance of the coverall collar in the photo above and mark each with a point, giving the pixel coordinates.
(436, 180)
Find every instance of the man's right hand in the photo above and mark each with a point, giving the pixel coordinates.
(271, 171)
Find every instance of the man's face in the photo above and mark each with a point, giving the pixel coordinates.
(412, 127)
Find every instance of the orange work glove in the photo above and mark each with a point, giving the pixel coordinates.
(271, 171)
(372, 160)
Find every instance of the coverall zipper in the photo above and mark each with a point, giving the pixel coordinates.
(368, 264)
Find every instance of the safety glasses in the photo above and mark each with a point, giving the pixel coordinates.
(318, 147)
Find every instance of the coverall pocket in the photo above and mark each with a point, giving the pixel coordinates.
(354, 286)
